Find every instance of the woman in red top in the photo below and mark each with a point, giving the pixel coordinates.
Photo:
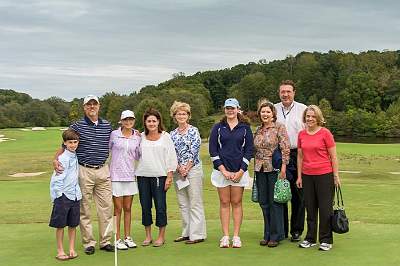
(317, 174)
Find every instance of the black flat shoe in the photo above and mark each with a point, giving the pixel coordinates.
(89, 250)
(295, 237)
(108, 248)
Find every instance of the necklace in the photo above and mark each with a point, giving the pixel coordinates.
(183, 130)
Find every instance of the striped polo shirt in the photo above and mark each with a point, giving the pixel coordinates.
(93, 141)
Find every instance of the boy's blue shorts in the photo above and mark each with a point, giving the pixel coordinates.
(65, 212)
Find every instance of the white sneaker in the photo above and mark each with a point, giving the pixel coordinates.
(224, 242)
(236, 243)
(129, 242)
(306, 244)
(121, 245)
(325, 246)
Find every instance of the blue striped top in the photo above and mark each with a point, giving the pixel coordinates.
(93, 140)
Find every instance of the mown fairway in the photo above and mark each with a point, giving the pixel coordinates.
(372, 202)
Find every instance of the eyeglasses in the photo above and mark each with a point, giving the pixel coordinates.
(181, 114)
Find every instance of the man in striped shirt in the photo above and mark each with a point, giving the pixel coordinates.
(94, 174)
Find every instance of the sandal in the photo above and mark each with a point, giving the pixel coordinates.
(62, 257)
(74, 256)
(158, 244)
(146, 243)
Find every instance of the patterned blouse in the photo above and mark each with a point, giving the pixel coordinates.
(266, 140)
(187, 146)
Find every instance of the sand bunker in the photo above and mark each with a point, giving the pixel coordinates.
(5, 139)
(24, 129)
(350, 172)
(2, 136)
(394, 173)
(38, 129)
(26, 174)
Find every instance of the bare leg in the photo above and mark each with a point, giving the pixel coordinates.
(117, 212)
(60, 239)
(224, 208)
(127, 204)
(72, 236)
(236, 201)
(148, 233)
(161, 236)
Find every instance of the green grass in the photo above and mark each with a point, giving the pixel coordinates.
(371, 199)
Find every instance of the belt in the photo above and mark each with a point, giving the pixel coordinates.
(92, 166)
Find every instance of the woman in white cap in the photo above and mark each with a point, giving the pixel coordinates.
(231, 149)
(125, 149)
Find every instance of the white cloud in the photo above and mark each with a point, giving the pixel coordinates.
(74, 47)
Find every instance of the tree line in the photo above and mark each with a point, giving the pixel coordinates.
(358, 93)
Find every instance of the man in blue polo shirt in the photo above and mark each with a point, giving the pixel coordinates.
(94, 175)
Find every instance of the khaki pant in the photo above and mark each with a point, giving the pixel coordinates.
(190, 200)
(95, 184)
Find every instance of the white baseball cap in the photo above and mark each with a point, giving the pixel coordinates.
(89, 98)
(127, 114)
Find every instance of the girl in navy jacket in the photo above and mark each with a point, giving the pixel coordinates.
(231, 149)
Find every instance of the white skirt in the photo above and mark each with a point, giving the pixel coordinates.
(218, 180)
(124, 188)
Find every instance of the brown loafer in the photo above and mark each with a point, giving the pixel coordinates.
(194, 241)
(272, 244)
(181, 238)
(263, 242)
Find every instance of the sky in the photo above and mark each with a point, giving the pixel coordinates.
(70, 48)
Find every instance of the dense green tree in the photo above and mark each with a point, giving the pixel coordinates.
(75, 111)
(41, 114)
(251, 88)
(7, 96)
(361, 92)
(152, 103)
(61, 108)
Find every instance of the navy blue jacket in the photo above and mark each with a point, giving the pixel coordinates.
(231, 148)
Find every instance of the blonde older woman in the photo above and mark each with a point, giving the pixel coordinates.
(190, 199)
(317, 174)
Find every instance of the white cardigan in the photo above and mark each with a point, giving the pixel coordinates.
(158, 157)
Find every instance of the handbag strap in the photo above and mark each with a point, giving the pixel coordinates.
(254, 170)
(339, 197)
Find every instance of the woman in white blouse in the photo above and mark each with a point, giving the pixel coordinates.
(154, 174)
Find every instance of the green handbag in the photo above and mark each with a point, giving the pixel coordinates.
(282, 193)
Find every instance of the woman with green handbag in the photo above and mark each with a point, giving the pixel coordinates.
(268, 137)
(317, 174)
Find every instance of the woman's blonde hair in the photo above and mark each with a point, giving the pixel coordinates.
(318, 114)
(179, 106)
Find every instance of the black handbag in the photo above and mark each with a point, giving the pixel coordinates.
(254, 190)
(277, 159)
(339, 220)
